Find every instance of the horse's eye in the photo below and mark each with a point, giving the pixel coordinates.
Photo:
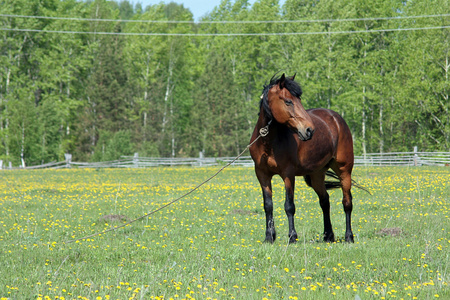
(288, 102)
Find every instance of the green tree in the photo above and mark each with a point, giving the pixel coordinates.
(38, 69)
(108, 96)
(100, 95)
(163, 79)
(424, 85)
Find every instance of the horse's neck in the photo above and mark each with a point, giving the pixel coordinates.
(263, 120)
(275, 129)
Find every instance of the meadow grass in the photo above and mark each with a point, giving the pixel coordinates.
(209, 245)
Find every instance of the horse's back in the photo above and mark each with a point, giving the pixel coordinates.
(326, 115)
(332, 119)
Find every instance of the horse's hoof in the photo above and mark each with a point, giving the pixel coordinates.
(269, 240)
(349, 238)
(328, 237)
(293, 238)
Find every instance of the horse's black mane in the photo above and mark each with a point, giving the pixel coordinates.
(292, 86)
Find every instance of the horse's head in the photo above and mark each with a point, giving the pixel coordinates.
(281, 101)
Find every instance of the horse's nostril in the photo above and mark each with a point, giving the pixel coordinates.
(309, 132)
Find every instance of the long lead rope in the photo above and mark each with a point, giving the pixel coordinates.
(262, 133)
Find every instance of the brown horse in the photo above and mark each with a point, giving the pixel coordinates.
(301, 143)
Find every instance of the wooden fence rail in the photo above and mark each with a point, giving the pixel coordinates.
(372, 159)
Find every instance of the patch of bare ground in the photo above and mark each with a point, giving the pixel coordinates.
(114, 218)
(391, 231)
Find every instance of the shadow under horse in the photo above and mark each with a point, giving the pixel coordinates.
(304, 143)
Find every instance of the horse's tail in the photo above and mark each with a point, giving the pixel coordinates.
(331, 184)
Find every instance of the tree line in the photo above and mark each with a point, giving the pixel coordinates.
(100, 79)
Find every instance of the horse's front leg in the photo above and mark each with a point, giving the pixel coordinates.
(271, 234)
(266, 186)
(289, 207)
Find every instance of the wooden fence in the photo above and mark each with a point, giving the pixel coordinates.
(371, 159)
(404, 159)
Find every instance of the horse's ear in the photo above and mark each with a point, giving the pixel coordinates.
(293, 77)
(282, 80)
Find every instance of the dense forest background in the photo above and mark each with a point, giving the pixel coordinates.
(99, 79)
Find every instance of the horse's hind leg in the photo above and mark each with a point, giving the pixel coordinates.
(346, 183)
(318, 184)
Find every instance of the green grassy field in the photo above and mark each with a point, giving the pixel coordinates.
(209, 245)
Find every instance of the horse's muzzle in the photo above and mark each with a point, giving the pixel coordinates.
(307, 134)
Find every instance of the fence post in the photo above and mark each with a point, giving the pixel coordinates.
(68, 158)
(200, 158)
(136, 160)
(416, 157)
